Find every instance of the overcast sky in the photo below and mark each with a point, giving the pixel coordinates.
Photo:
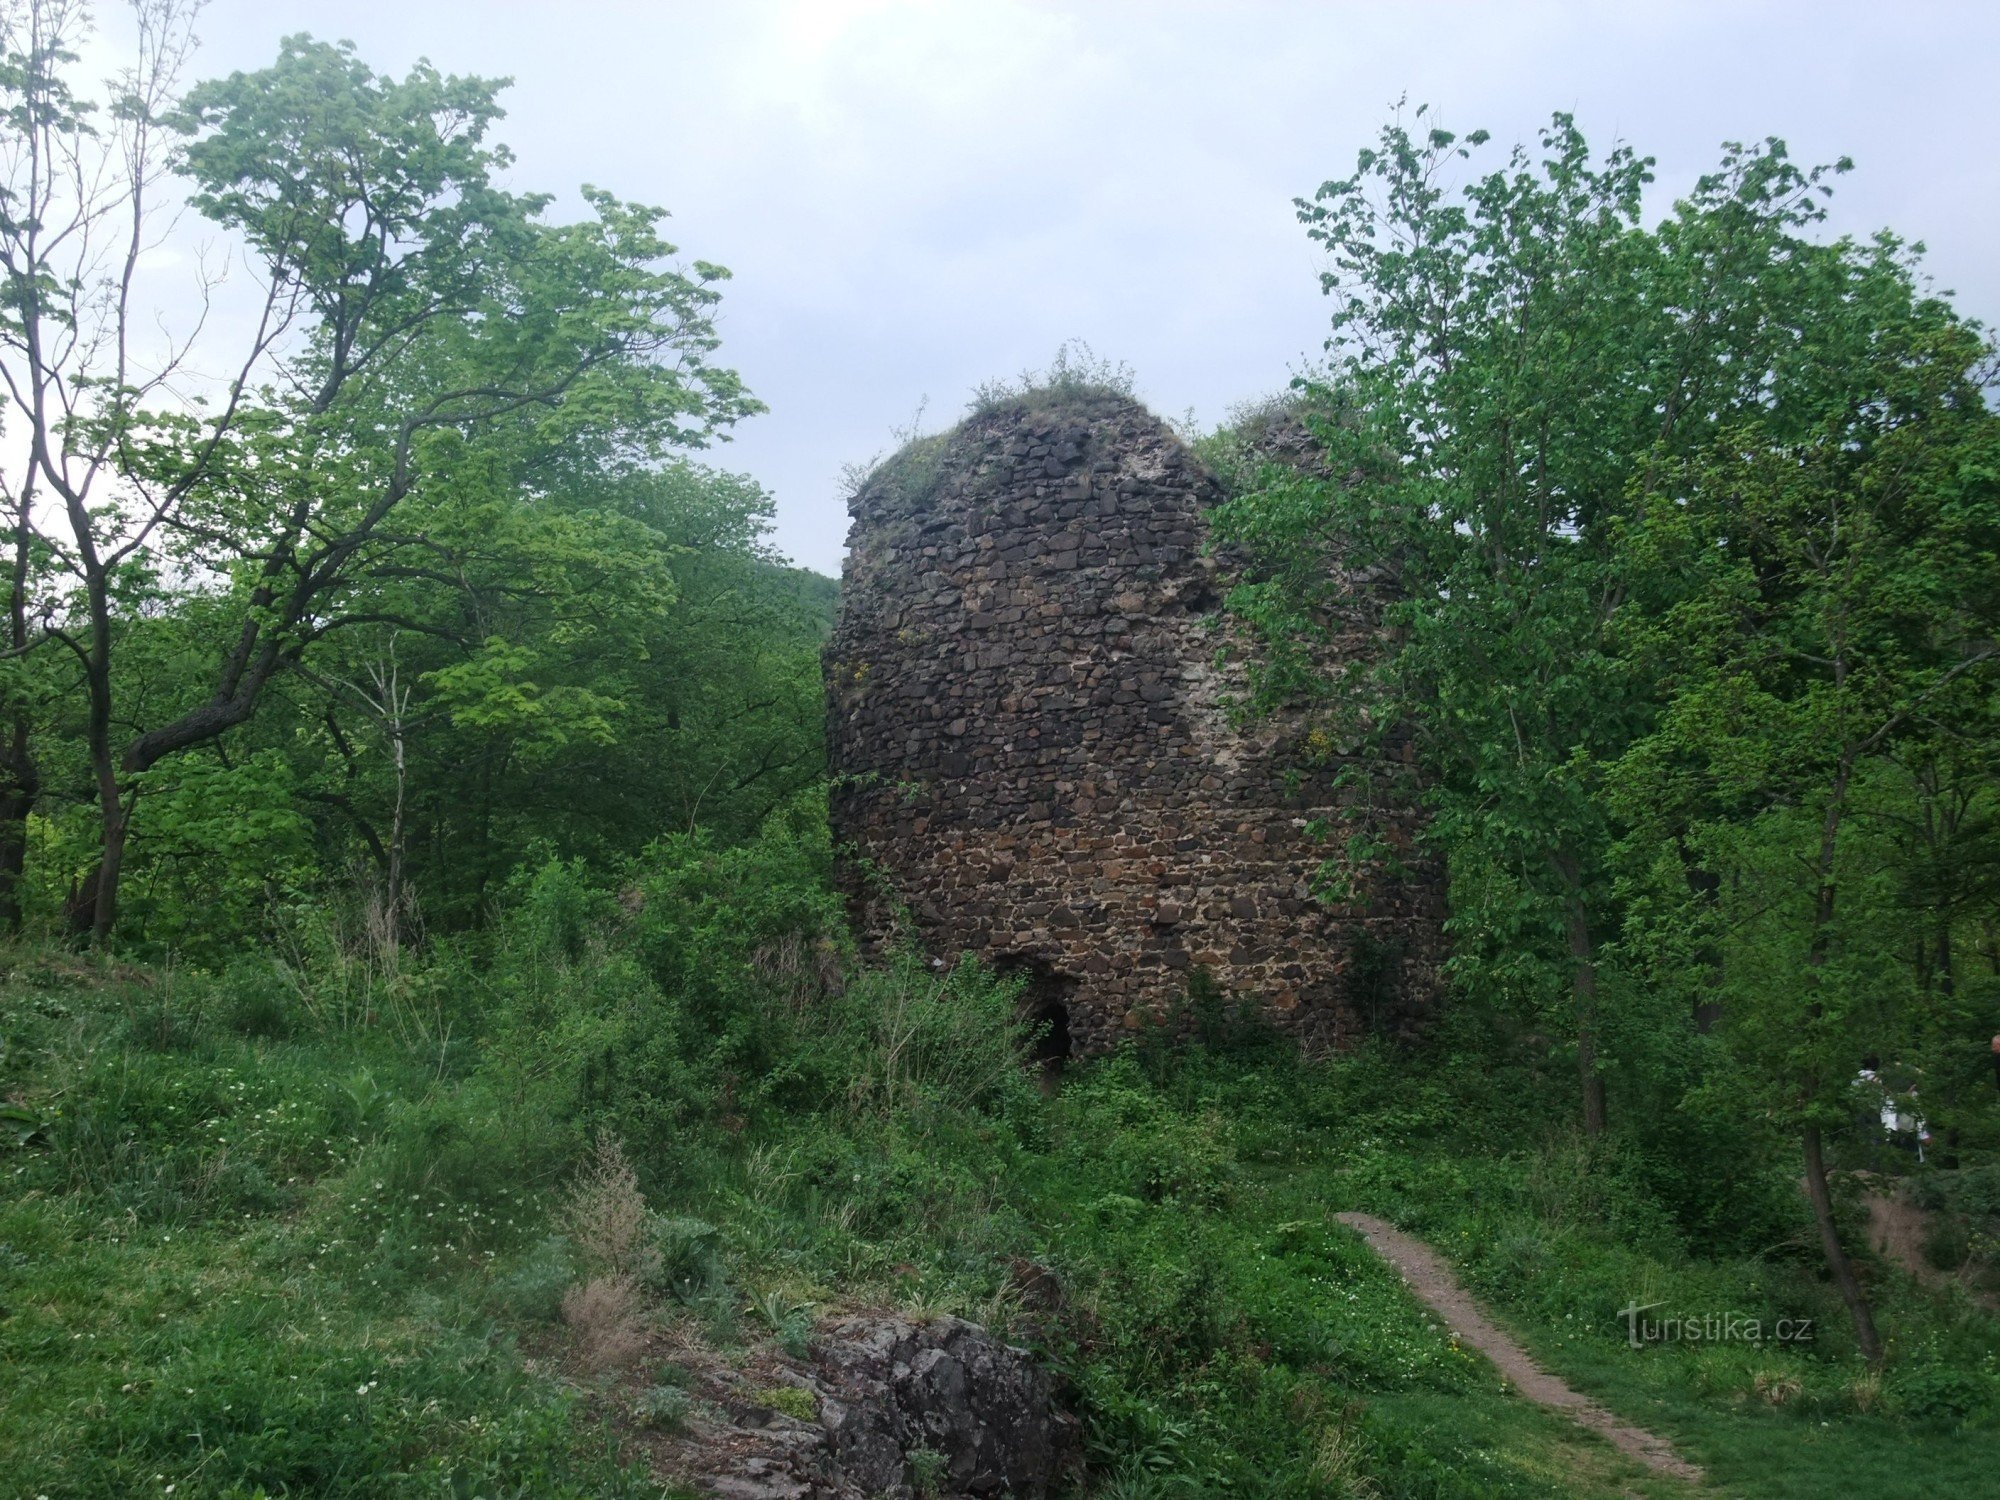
(915, 197)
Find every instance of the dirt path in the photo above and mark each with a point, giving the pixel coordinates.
(1431, 1279)
(1896, 1230)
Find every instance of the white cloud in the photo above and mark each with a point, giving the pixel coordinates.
(918, 196)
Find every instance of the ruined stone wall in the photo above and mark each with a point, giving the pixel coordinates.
(1033, 755)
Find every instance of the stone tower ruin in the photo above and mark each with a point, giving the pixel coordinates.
(1034, 759)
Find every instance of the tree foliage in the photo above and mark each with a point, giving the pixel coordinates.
(432, 578)
(1684, 538)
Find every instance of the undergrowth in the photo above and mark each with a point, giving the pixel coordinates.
(378, 1229)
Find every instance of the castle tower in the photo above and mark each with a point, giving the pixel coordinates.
(1034, 757)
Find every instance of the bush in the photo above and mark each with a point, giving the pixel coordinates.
(1938, 1395)
(1947, 1241)
(1143, 1146)
(664, 1408)
(1075, 375)
(912, 1035)
(456, 1163)
(688, 1259)
(744, 941)
(533, 1288)
(256, 1000)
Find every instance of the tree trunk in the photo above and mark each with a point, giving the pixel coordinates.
(20, 779)
(396, 835)
(1837, 1263)
(14, 807)
(1705, 886)
(1821, 1193)
(116, 821)
(1583, 991)
(1594, 1114)
(20, 784)
(98, 908)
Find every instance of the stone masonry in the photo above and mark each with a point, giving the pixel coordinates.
(1034, 759)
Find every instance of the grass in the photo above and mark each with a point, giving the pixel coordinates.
(1764, 1420)
(234, 1363)
(204, 1289)
(1076, 381)
(1752, 1448)
(250, 1246)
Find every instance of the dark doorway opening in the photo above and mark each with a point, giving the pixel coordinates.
(1044, 1005)
(1052, 1044)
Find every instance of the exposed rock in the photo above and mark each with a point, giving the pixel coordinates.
(1034, 755)
(898, 1401)
(946, 1388)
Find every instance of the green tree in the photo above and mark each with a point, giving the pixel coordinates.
(1830, 667)
(420, 328)
(568, 673)
(1513, 370)
(1685, 540)
(598, 666)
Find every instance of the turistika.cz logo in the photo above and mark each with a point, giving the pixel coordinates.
(1709, 1328)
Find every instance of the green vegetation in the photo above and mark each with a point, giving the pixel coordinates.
(241, 1206)
(1075, 381)
(1686, 537)
(425, 996)
(1076, 376)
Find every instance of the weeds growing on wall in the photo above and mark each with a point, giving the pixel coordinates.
(1076, 376)
(1075, 379)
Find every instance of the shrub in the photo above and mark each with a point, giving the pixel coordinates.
(688, 1259)
(664, 1408)
(532, 1289)
(1149, 1150)
(913, 1035)
(256, 1000)
(1947, 1241)
(474, 1148)
(1075, 375)
(1938, 1395)
(605, 1216)
(721, 932)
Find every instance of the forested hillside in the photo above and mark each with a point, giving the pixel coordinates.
(435, 1058)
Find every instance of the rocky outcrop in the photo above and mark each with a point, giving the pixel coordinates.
(900, 1408)
(943, 1388)
(1030, 697)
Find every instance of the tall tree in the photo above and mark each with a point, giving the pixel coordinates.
(76, 193)
(1835, 644)
(575, 671)
(417, 323)
(1513, 368)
